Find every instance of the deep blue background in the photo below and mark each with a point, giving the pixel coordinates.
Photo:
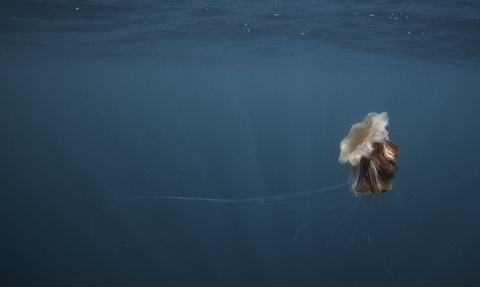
(94, 139)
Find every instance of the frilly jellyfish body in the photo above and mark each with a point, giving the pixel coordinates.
(371, 155)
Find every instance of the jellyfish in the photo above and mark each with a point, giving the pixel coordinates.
(371, 155)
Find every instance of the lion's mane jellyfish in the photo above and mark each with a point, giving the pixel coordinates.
(371, 155)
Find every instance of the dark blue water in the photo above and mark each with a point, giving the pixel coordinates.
(244, 30)
(122, 123)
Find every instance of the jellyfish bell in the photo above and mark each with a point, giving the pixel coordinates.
(371, 155)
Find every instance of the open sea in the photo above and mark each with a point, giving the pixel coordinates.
(196, 143)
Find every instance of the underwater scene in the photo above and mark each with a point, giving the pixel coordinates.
(240, 143)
